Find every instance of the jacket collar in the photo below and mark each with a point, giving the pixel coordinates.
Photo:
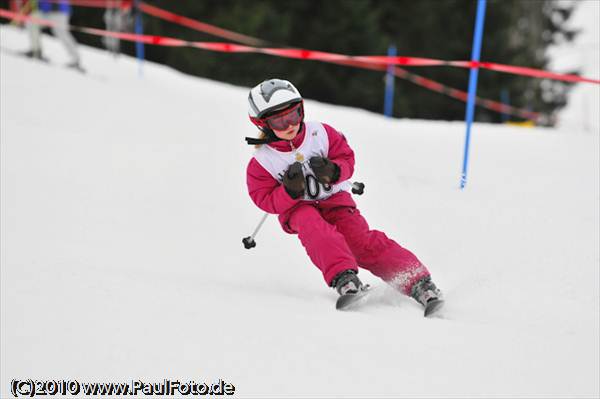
(284, 145)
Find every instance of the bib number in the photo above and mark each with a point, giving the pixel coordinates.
(313, 187)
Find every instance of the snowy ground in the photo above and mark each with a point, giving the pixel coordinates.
(124, 205)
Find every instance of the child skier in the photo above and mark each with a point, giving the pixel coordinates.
(300, 171)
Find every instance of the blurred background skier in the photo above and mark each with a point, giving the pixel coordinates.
(59, 13)
(300, 171)
(117, 18)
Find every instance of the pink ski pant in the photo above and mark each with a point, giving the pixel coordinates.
(337, 239)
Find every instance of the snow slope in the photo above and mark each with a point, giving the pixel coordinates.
(123, 208)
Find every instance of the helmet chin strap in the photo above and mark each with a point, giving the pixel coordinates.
(271, 137)
(266, 140)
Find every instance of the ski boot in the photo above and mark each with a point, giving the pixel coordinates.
(36, 55)
(76, 66)
(427, 294)
(350, 288)
(347, 282)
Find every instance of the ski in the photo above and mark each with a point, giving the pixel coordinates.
(353, 300)
(350, 301)
(76, 67)
(433, 306)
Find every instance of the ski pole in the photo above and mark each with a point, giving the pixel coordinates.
(249, 241)
(358, 188)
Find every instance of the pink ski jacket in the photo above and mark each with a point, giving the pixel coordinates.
(270, 195)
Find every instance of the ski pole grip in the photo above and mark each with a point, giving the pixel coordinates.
(358, 188)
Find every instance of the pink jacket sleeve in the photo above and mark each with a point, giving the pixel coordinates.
(340, 153)
(266, 192)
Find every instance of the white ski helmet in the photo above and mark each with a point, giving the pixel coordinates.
(270, 95)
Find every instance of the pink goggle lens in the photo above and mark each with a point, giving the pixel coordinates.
(289, 117)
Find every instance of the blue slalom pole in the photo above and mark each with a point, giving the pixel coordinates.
(475, 53)
(388, 107)
(505, 99)
(139, 46)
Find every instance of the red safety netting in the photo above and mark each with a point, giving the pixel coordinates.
(379, 63)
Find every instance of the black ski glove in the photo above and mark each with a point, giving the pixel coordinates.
(326, 171)
(293, 180)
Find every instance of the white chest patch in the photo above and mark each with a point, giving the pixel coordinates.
(316, 143)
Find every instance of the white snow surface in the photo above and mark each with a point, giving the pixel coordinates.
(124, 204)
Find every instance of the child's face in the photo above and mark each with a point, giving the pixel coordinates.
(288, 134)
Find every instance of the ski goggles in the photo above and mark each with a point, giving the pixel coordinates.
(288, 117)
